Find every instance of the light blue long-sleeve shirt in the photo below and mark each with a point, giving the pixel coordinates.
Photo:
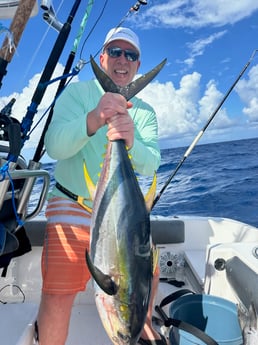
(66, 139)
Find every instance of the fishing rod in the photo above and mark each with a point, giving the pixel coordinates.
(22, 201)
(39, 150)
(199, 135)
(36, 99)
(48, 71)
(20, 19)
(34, 164)
(134, 8)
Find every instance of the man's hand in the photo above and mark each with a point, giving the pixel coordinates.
(112, 110)
(121, 126)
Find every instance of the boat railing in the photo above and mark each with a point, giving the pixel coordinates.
(30, 176)
(19, 185)
(24, 178)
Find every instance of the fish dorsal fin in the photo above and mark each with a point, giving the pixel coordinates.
(149, 197)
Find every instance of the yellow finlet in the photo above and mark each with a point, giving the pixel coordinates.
(149, 197)
(80, 201)
(89, 183)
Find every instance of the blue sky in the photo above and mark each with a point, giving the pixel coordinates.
(206, 43)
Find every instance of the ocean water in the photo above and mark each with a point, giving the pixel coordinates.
(219, 179)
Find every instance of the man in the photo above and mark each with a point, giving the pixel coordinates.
(84, 119)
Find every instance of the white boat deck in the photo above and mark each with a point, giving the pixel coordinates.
(85, 325)
(17, 323)
(205, 241)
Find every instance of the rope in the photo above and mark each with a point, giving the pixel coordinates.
(9, 39)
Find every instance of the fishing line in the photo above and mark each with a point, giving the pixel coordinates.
(48, 70)
(27, 121)
(32, 60)
(92, 29)
(39, 150)
(199, 135)
(132, 9)
(81, 62)
(35, 53)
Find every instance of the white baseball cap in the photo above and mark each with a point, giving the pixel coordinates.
(123, 34)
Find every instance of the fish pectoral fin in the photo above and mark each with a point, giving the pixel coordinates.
(103, 280)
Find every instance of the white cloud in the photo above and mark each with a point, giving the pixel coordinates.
(23, 100)
(195, 14)
(181, 111)
(198, 47)
(208, 108)
(248, 93)
(176, 109)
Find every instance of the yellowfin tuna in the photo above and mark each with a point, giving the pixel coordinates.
(120, 258)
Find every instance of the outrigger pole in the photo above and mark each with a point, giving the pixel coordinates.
(199, 135)
(18, 24)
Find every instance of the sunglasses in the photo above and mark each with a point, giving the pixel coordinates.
(115, 52)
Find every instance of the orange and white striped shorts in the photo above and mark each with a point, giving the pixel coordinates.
(64, 269)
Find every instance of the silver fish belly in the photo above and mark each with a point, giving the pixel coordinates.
(120, 257)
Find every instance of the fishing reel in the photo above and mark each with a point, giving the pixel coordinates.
(7, 126)
(10, 129)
